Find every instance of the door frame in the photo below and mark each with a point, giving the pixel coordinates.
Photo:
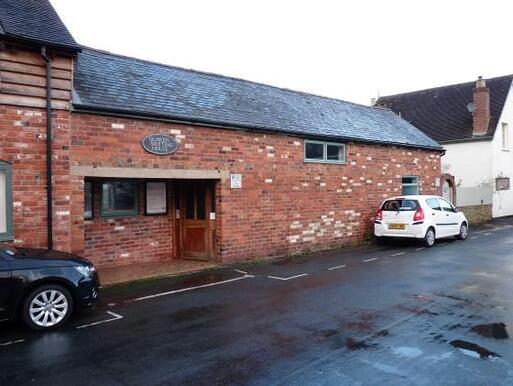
(180, 191)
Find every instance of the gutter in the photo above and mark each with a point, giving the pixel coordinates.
(93, 109)
(49, 171)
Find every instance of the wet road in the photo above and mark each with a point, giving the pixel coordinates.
(395, 314)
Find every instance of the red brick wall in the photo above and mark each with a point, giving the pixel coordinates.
(285, 205)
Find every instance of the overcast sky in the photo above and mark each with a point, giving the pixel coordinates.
(347, 49)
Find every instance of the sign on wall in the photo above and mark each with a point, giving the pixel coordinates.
(159, 144)
(236, 181)
(156, 198)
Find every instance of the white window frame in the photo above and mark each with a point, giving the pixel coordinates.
(325, 144)
(417, 184)
(8, 235)
(505, 136)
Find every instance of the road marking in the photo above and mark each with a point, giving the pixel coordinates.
(487, 234)
(337, 267)
(369, 260)
(473, 237)
(114, 318)
(287, 278)
(398, 254)
(192, 288)
(420, 249)
(240, 271)
(12, 342)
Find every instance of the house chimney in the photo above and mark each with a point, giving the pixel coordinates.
(481, 101)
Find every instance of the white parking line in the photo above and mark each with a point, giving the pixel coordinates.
(441, 244)
(240, 271)
(369, 260)
(337, 267)
(397, 254)
(473, 237)
(114, 317)
(12, 342)
(287, 278)
(420, 249)
(192, 288)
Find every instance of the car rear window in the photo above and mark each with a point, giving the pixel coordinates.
(400, 205)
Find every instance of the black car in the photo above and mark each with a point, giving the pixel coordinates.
(43, 287)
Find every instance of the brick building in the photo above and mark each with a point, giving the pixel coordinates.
(150, 162)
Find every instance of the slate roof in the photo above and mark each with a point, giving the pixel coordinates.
(35, 21)
(442, 112)
(114, 83)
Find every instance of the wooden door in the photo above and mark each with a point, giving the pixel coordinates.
(196, 224)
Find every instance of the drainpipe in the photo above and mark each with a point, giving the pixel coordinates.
(49, 188)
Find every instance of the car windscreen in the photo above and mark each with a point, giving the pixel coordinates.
(400, 205)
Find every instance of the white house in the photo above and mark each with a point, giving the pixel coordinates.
(473, 121)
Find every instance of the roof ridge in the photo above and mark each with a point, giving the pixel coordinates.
(442, 87)
(233, 78)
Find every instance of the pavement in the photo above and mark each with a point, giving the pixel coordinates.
(397, 314)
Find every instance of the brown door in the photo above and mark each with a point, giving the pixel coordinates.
(196, 226)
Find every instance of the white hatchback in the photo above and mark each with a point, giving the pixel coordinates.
(420, 217)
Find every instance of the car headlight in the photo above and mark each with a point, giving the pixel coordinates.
(85, 270)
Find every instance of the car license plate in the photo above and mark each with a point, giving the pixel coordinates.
(396, 226)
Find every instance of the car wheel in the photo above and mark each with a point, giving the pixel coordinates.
(47, 307)
(429, 238)
(463, 232)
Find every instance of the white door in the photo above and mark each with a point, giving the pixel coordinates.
(436, 216)
(450, 218)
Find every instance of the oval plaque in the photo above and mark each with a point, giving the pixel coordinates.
(159, 144)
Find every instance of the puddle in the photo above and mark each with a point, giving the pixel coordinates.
(328, 333)
(493, 330)
(407, 352)
(473, 350)
(353, 344)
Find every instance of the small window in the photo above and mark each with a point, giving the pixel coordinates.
(433, 203)
(119, 198)
(88, 200)
(316, 151)
(6, 230)
(505, 136)
(502, 183)
(410, 185)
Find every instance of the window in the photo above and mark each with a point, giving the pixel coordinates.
(502, 183)
(6, 232)
(317, 151)
(505, 136)
(400, 205)
(88, 200)
(119, 198)
(446, 206)
(433, 204)
(410, 185)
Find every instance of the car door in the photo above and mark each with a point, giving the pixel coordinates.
(5, 288)
(436, 216)
(450, 218)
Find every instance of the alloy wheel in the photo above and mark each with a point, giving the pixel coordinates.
(48, 308)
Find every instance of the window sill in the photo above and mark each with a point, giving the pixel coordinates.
(316, 161)
(5, 237)
(118, 215)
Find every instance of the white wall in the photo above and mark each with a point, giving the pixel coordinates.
(503, 161)
(471, 165)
